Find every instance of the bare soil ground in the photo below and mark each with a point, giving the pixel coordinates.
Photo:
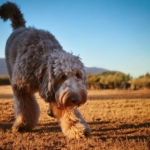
(117, 124)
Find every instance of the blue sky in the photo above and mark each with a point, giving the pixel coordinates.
(110, 34)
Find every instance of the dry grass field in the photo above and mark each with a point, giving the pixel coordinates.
(120, 123)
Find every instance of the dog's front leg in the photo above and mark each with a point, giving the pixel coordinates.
(26, 110)
(72, 123)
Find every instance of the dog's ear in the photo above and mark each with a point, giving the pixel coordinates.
(45, 79)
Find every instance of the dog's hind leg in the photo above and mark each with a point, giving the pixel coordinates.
(26, 110)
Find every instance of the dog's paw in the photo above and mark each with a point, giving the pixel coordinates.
(73, 125)
(77, 131)
(50, 113)
(20, 127)
(87, 132)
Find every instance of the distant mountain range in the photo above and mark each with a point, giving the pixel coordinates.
(89, 70)
(92, 70)
(3, 69)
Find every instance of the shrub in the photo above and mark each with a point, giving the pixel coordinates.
(108, 80)
(4, 80)
(141, 82)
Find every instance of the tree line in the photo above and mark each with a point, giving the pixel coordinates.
(117, 80)
(107, 80)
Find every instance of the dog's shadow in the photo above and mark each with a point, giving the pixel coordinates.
(40, 127)
(106, 130)
(6, 123)
(5, 126)
(47, 127)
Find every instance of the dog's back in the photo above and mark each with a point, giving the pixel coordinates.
(25, 46)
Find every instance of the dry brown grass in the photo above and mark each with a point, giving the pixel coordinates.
(116, 125)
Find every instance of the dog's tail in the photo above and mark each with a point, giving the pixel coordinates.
(11, 11)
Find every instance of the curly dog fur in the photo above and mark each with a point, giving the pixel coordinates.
(37, 62)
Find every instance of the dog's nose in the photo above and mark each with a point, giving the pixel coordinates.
(75, 99)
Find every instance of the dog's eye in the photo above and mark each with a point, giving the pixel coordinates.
(78, 76)
(63, 77)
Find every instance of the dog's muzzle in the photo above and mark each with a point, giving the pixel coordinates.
(73, 98)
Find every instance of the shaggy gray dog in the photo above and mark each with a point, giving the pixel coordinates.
(37, 62)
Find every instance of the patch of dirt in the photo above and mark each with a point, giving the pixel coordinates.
(114, 124)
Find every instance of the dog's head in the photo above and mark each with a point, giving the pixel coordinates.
(69, 84)
(66, 80)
